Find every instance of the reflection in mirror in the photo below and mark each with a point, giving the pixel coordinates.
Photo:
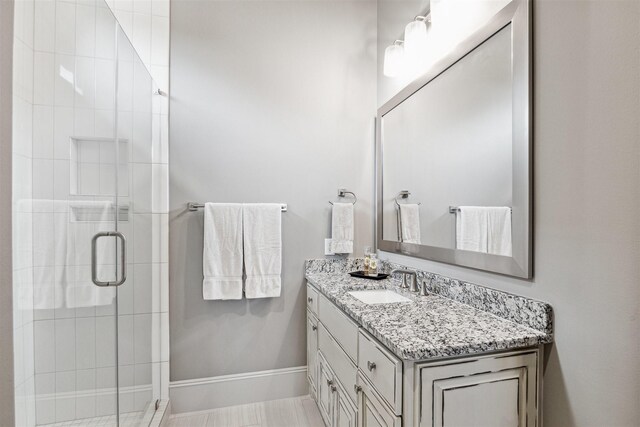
(458, 131)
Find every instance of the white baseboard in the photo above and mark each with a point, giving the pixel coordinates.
(202, 394)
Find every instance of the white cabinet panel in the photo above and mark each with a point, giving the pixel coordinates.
(488, 391)
(312, 352)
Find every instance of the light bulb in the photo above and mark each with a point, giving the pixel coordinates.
(415, 38)
(394, 59)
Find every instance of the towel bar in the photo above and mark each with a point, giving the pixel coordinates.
(456, 209)
(194, 206)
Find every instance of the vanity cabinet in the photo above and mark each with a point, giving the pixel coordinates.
(357, 381)
(496, 390)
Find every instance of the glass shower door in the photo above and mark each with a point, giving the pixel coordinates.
(86, 264)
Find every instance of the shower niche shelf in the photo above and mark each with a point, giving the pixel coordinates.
(92, 167)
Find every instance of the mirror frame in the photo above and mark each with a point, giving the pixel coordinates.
(517, 13)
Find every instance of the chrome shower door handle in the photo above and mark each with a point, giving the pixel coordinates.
(123, 258)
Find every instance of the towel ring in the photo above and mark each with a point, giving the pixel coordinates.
(342, 192)
(404, 194)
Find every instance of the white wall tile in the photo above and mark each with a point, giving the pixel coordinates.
(65, 396)
(105, 84)
(43, 184)
(84, 122)
(160, 40)
(64, 80)
(106, 383)
(44, 333)
(142, 244)
(86, 343)
(142, 187)
(43, 131)
(43, 78)
(106, 345)
(44, 28)
(142, 338)
(160, 189)
(142, 6)
(141, 141)
(160, 7)
(61, 183)
(45, 386)
(65, 28)
(86, 393)
(63, 118)
(125, 340)
(86, 30)
(85, 83)
(142, 288)
(105, 27)
(65, 330)
(142, 36)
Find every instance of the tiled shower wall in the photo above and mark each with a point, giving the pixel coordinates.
(62, 88)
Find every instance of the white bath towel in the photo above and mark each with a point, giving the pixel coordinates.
(410, 220)
(499, 231)
(484, 229)
(262, 249)
(62, 254)
(342, 228)
(222, 252)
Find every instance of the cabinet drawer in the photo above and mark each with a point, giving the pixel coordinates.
(382, 369)
(343, 329)
(312, 299)
(343, 368)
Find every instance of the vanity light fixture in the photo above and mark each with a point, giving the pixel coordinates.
(415, 38)
(394, 59)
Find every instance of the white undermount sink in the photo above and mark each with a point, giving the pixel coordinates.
(378, 296)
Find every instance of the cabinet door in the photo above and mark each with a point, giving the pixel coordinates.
(372, 411)
(345, 413)
(496, 391)
(326, 390)
(312, 352)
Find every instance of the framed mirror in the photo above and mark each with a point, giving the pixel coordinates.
(453, 155)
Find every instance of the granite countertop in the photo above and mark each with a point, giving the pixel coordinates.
(430, 326)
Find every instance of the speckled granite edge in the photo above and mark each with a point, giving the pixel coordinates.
(333, 265)
(534, 314)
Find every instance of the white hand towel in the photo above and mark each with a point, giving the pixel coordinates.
(471, 228)
(410, 219)
(342, 228)
(484, 229)
(262, 249)
(499, 231)
(222, 252)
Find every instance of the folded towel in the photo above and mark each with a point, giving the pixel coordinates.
(262, 249)
(222, 252)
(410, 221)
(484, 229)
(499, 231)
(342, 228)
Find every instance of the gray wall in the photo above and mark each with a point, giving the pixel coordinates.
(6, 284)
(587, 232)
(271, 101)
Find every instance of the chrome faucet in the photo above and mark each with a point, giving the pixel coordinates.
(412, 283)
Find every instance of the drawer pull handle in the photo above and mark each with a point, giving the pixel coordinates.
(329, 383)
(371, 365)
(310, 299)
(314, 327)
(357, 388)
(333, 389)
